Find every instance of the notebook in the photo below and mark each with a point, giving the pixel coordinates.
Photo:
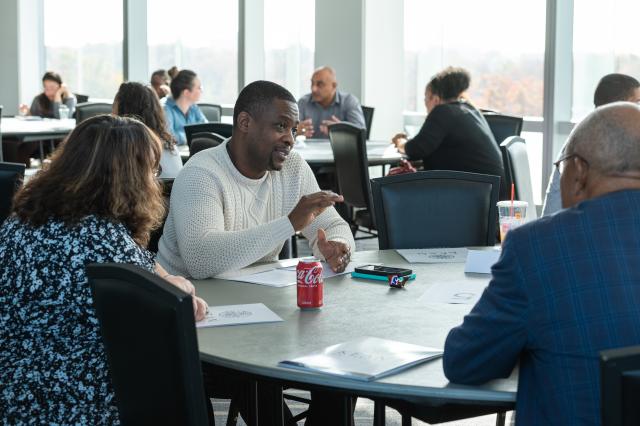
(366, 358)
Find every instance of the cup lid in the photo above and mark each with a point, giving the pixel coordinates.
(516, 203)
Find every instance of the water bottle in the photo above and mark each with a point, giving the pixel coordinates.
(63, 110)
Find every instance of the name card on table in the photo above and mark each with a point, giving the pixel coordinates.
(481, 261)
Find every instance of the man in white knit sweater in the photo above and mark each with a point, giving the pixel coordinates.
(236, 204)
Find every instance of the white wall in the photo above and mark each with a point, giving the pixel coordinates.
(339, 41)
(21, 51)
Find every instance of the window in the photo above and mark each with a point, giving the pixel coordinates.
(83, 42)
(605, 40)
(500, 42)
(200, 35)
(289, 43)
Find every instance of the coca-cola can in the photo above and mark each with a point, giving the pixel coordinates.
(310, 284)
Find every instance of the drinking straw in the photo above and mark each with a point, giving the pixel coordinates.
(513, 194)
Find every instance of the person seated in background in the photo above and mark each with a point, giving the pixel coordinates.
(566, 286)
(139, 101)
(160, 81)
(182, 107)
(455, 135)
(47, 104)
(95, 202)
(610, 88)
(326, 105)
(237, 203)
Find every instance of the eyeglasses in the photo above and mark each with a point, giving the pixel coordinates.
(157, 172)
(561, 163)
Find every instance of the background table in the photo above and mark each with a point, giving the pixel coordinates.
(317, 152)
(17, 132)
(353, 308)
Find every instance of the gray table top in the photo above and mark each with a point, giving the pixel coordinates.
(318, 151)
(16, 128)
(352, 308)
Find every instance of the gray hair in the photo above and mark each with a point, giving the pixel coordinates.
(609, 138)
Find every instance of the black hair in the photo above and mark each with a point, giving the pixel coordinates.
(450, 83)
(258, 96)
(46, 106)
(183, 80)
(613, 88)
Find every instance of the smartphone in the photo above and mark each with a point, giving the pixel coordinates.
(382, 270)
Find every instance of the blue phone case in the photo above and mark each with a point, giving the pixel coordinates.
(355, 274)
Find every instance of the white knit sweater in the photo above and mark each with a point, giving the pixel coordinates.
(219, 220)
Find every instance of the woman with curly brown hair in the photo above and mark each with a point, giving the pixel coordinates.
(140, 101)
(96, 202)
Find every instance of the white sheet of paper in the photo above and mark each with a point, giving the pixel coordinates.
(481, 261)
(237, 315)
(284, 276)
(465, 292)
(434, 255)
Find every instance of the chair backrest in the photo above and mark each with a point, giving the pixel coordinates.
(11, 177)
(368, 118)
(90, 109)
(213, 112)
(439, 208)
(223, 129)
(352, 166)
(154, 239)
(149, 336)
(620, 386)
(503, 126)
(514, 152)
(81, 98)
(204, 140)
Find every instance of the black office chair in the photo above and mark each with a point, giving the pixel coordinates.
(204, 140)
(11, 177)
(368, 118)
(352, 172)
(502, 126)
(223, 129)
(167, 186)
(81, 98)
(439, 208)
(1, 153)
(150, 340)
(620, 386)
(213, 112)
(514, 154)
(90, 109)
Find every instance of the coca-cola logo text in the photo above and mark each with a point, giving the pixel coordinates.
(311, 276)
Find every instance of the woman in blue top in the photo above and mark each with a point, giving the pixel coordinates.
(182, 107)
(95, 202)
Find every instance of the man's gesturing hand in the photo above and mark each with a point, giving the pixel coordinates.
(310, 206)
(336, 254)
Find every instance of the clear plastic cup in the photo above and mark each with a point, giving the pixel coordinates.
(63, 110)
(512, 215)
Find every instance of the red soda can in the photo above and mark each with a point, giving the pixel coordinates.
(310, 283)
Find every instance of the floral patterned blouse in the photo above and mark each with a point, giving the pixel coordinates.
(53, 369)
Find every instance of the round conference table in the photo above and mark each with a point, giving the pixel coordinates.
(353, 308)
